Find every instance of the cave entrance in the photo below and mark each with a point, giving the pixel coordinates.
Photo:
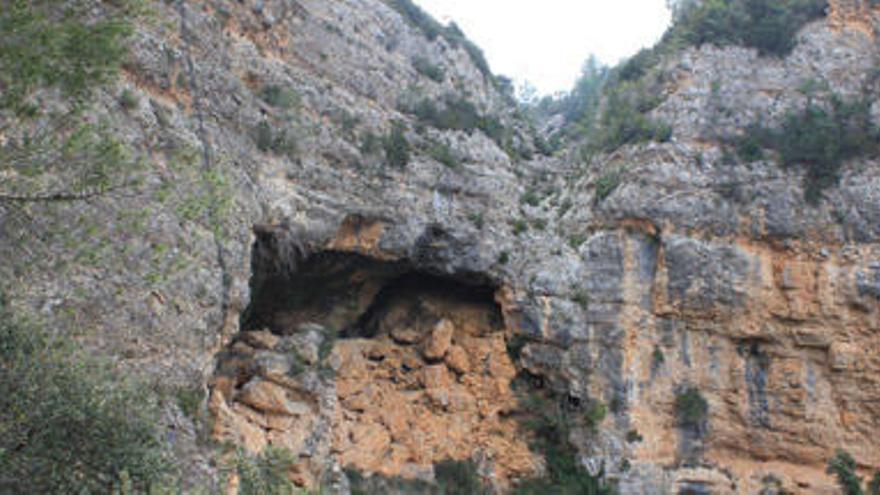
(377, 364)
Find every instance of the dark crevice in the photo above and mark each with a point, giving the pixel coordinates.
(348, 292)
(428, 286)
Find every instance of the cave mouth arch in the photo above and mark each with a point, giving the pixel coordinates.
(352, 293)
(383, 366)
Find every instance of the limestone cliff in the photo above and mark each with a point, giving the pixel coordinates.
(376, 317)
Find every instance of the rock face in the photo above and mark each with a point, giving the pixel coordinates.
(690, 274)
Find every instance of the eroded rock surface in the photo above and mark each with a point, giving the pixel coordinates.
(691, 273)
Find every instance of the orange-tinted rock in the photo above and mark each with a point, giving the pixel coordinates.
(263, 339)
(440, 340)
(457, 360)
(270, 398)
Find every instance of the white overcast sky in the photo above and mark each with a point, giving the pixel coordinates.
(545, 42)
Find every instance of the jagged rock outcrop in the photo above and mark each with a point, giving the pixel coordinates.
(691, 273)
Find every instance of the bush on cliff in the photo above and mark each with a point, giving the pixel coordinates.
(691, 408)
(769, 27)
(843, 467)
(62, 45)
(549, 422)
(819, 139)
(69, 424)
(396, 146)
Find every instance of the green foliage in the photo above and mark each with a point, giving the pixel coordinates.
(843, 467)
(874, 485)
(61, 157)
(691, 408)
(530, 198)
(657, 357)
(432, 29)
(820, 138)
(328, 341)
(443, 154)
(69, 423)
(189, 400)
(455, 477)
(582, 300)
(768, 26)
(456, 113)
(580, 106)
(624, 120)
(577, 240)
(515, 344)
(424, 67)
(280, 97)
(548, 421)
(451, 478)
(266, 474)
(397, 149)
(749, 148)
(459, 114)
(607, 184)
(279, 141)
(50, 44)
(128, 100)
(478, 220)
(633, 436)
(503, 258)
(520, 226)
(371, 144)
(595, 413)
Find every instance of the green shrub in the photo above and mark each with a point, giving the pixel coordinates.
(478, 220)
(458, 477)
(874, 485)
(843, 467)
(424, 67)
(582, 300)
(520, 226)
(50, 44)
(819, 139)
(624, 120)
(691, 408)
(595, 414)
(370, 143)
(70, 424)
(768, 26)
(432, 29)
(189, 400)
(278, 141)
(87, 159)
(128, 100)
(279, 97)
(451, 478)
(455, 113)
(265, 474)
(633, 436)
(607, 184)
(396, 146)
(548, 422)
(458, 114)
(443, 154)
(503, 258)
(749, 148)
(657, 357)
(530, 198)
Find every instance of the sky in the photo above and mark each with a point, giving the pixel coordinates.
(545, 42)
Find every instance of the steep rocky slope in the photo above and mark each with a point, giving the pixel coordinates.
(371, 316)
